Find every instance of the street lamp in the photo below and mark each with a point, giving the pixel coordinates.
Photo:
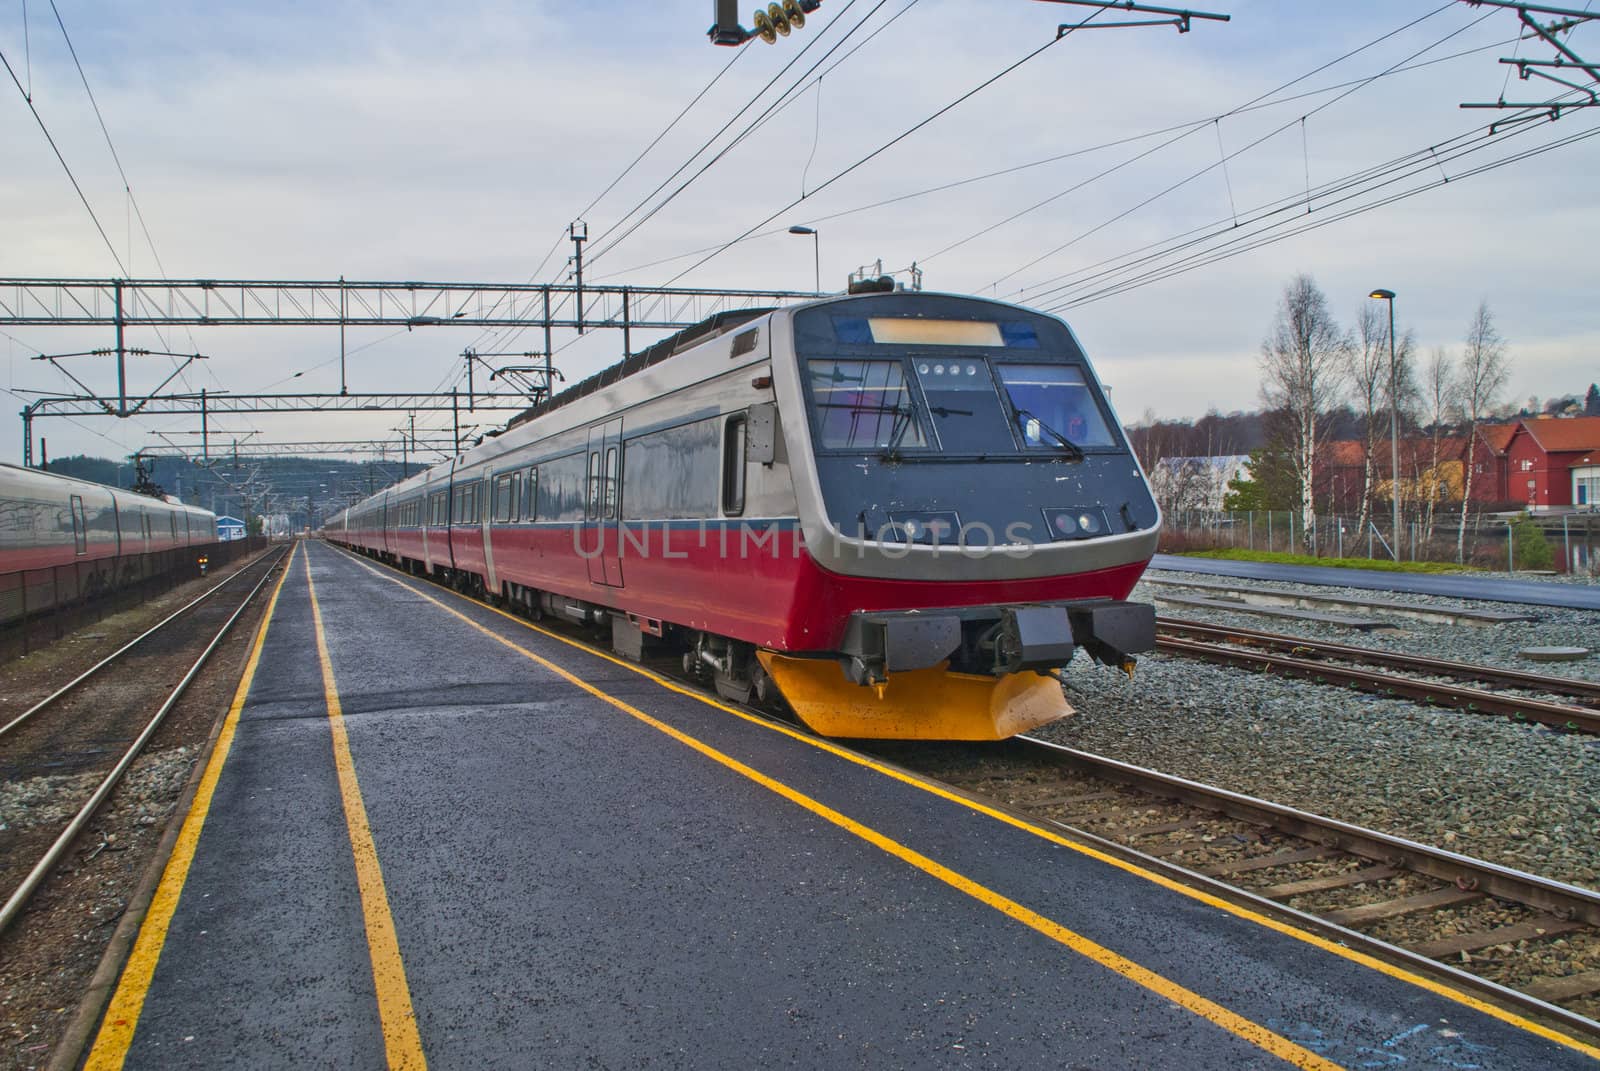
(816, 251)
(1394, 421)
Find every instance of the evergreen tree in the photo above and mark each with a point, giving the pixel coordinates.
(1591, 401)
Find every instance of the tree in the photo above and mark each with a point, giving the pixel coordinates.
(1302, 361)
(1591, 401)
(1374, 391)
(1271, 484)
(1484, 367)
(1439, 398)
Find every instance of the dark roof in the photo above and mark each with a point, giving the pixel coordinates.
(708, 328)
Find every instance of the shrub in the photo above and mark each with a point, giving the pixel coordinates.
(1531, 549)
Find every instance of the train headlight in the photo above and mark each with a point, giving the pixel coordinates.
(928, 527)
(1079, 522)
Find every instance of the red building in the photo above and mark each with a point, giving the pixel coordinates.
(1342, 472)
(1553, 463)
(1490, 477)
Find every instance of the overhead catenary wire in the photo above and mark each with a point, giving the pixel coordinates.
(127, 186)
(1187, 126)
(785, 97)
(1062, 35)
(602, 246)
(562, 237)
(1198, 173)
(1317, 222)
(1232, 241)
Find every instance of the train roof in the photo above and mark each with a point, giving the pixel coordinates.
(21, 472)
(706, 329)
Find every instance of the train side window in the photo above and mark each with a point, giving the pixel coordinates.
(530, 501)
(80, 534)
(502, 498)
(613, 482)
(594, 485)
(733, 440)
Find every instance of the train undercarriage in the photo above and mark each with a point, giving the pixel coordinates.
(959, 673)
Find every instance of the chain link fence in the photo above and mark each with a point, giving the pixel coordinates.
(1573, 539)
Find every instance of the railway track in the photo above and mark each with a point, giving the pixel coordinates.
(1512, 937)
(1435, 681)
(78, 742)
(1515, 938)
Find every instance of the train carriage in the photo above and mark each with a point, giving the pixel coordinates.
(902, 511)
(100, 535)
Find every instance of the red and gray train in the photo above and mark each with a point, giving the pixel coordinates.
(903, 511)
(73, 538)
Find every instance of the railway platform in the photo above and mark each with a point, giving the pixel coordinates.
(433, 834)
(1455, 586)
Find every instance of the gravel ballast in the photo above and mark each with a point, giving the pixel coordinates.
(1521, 795)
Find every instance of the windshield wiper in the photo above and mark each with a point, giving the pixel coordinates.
(905, 417)
(1073, 450)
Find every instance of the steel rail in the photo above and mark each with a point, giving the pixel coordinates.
(53, 856)
(1513, 678)
(1472, 700)
(1556, 897)
(119, 652)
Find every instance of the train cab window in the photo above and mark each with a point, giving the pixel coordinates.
(613, 481)
(172, 522)
(1052, 402)
(961, 399)
(80, 533)
(734, 433)
(863, 405)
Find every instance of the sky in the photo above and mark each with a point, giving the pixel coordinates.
(409, 140)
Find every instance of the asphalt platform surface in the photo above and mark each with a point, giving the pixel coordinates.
(651, 880)
(1454, 585)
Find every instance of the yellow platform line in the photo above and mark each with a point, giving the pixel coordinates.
(1287, 929)
(111, 1044)
(1236, 1024)
(401, 1042)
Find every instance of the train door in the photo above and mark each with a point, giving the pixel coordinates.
(80, 526)
(602, 537)
(488, 513)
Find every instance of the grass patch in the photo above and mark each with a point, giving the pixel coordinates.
(1382, 565)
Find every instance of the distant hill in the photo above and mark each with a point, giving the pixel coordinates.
(304, 488)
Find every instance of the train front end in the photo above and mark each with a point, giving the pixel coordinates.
(974, 514)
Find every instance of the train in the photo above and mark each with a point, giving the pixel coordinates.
(62, 538)
(899, 513)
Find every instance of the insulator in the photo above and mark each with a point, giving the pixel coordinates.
(764, 28)
(780, 21)
(797, 18)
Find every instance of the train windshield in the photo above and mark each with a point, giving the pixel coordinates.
(864, 405)
(913, 376)
(1051, 403)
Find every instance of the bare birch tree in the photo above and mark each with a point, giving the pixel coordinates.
(1439, 401)
(1484, 368)
(1302, 362)
(1368, 371)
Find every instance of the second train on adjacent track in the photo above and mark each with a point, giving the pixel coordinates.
(905, 512)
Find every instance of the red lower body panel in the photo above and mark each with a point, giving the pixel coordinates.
(766, 591)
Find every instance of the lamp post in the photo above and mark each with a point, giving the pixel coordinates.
(816, 252)
(1394, 422)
